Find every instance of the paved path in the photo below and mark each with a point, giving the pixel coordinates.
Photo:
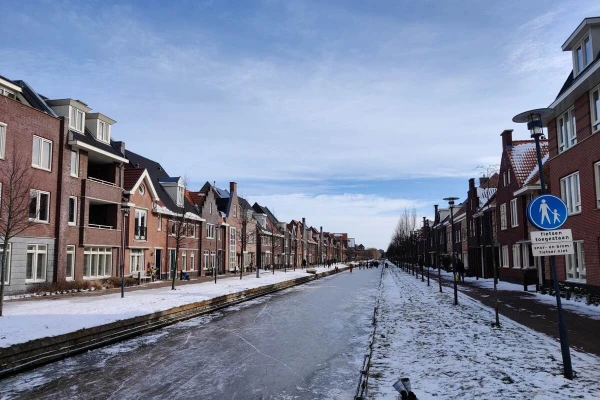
(302, 343)
(523, 308)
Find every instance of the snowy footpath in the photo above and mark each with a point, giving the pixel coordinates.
(27, 320)
(452, 352)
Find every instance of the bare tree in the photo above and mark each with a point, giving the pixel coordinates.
(17, 181)
(245, 234)
(179, 229)
(274, 246)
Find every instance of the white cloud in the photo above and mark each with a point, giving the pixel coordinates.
(368, 218)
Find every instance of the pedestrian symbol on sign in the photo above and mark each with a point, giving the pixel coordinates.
(541, 208)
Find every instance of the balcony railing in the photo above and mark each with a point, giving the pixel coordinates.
(98, 226)
(101, 181)
(140, 233)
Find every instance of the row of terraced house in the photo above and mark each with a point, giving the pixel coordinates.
(94, 205)
(490, 226)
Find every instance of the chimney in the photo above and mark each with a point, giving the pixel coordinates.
(507, 138)
(483, 180)
(303, 227)
(435, 209)
(121, 146)
(471, 184)
(232, 187)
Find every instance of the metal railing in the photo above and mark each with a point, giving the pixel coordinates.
(101, 181)
(140, 232)
(98, 226)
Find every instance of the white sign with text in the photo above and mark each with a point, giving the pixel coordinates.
(558, 242)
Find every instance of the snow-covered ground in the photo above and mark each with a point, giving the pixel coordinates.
(577, 307)
(452, 352)
(34, 319)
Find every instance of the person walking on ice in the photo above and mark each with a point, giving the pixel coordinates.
(544, 211)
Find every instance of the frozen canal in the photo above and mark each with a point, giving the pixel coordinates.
(304, 343)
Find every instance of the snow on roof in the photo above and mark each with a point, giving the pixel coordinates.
(523, 157)
(534, 176)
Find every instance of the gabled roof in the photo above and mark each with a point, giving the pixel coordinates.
(534, 175)
(133, 177)
(523, 157)
(157, 173)
(244, 203)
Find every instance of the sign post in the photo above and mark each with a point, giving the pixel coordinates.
(548, 213)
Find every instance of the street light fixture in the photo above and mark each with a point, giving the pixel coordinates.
(450, 201)
(125, 211)
(535, 124)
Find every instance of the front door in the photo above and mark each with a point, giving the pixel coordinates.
(158, 261)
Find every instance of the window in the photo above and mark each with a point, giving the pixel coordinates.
(595, 108)
(250, 238)
(183, 261)
(97, 262)
(567, 131)
(526, 263)
(210, 208)
(570, 194)
(192, 230)
(597, 176)
(39, 206)
(210, 231)
(140, 225)
(142, 189)
(503, 216)
(213, 259)
(206, 259)
(42, 153)
(575, 263)
(514, 216)
(2, 255)
(136, 261)
(70, 273)
(508, 176)
(36, 263)
(582, 55)
(103, 133)
(159, 223)
(76, 119)
(180, 196)
(231, 248)
(74, 163)
(2, 140)
(235, 211)
(173, 228)
(72, 210)
(505, 262)
(192, 261)
(516, 255)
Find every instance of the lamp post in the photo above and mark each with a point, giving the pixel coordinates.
(534, 120)
(424, 252)
(125, 211)
(450, 201)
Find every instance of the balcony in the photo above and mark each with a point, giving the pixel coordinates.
(98, 235)
(102, 190)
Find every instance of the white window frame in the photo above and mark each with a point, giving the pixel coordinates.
(183, 260)
(575, 263)
(232, 255)
(505, 260)
(8, 262)
(192, 230)
(206, 259)
(597, 179)
(76, 119)
(70, 251)
(88, 258)
(210, 231)
(136, 258)
(138, 214)
(38, 195)
(3, 128)
(210, 208)
(516, 253)
(159, 223)
(584, 56)
(514, 215)
(570, 192)
(595, 113)
(74, 222)
(566, 127)
(525, 250)
(103, 134)
(39, 163)
(503, 222)
(192, 261)
(75, 164)
(180, 192)
(235, 211)
(36, 250)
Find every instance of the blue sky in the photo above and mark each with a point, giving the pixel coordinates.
(342, 112)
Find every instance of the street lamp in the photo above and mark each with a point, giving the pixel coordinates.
(450, 201)
(125, 211)
(535, 124)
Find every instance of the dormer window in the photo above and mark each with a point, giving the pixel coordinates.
(103, 133)
(76, 118)
(582, 54)
(180, 196)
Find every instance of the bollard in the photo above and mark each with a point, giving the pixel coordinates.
(139, 278)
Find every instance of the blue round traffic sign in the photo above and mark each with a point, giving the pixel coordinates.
(547, 212)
